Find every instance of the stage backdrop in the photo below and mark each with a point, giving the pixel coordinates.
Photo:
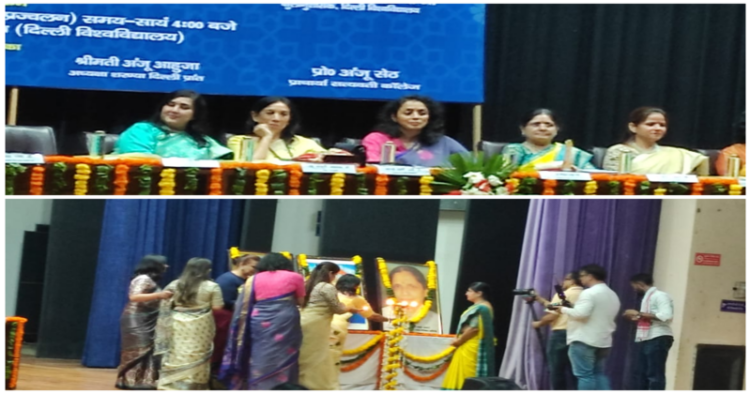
(364, 51)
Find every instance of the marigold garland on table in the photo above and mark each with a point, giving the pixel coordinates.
(37, 181)
(381, 184)
(425, 188)
(121, 179)
(58, 177)
(383, 268)
(315, 181)
(362, 184)
(735, 190)
(144, 179)
(660, 191)
(549, 187)
(238, 187)
(511, 185)
(629, 187)
(337, 184)
(215, 184)
(11, 171)
(590, 188)
(191, 179)
(167, 183)
(83, 173)
(278, 183)
(101, 182)
(261, 179)
(697, 189)
(395, 352)
(295, 176)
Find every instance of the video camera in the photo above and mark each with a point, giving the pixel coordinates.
(563, 300)
(524, 292)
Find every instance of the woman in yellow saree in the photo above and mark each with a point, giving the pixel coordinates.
(539, 152)
(647, 126)
(475, 342)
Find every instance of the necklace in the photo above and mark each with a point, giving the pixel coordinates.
(288, 150)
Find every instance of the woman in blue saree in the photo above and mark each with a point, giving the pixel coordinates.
(265, 335)
(475, 341)
(539, 151)
(177, 129)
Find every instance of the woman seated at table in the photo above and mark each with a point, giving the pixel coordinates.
(177, 129)
(539, 152)
(275, 122)
(647, 126)
(475, 341)
(414, 124)
(737, 149)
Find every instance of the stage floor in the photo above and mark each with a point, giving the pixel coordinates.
(53, 374)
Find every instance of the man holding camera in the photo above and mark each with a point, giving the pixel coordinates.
(557, 346)
(653, 335)
(590, 326)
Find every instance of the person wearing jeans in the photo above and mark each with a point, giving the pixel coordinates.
(561, 373)
(591, 322)
(653, 336)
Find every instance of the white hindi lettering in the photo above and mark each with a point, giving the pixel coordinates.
(145, 22)
(323, 71)
(231, 25)
(138, 63)
(164, 77)
(297, 82)
(356, 72)
(104, 20)
(126, 34)
(386, 74)
(36, 30)
(88, 60)
(36, 17)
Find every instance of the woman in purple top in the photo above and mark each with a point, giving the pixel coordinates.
(415, 125)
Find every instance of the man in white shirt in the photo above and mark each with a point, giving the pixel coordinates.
(653, 336)
(590, 326)
(560, 371)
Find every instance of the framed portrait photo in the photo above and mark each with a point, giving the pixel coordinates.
(410, 283)
(348, 266)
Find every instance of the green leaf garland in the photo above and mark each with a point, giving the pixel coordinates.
(191, 179)
(103, 177)
(238, 187)
(278, 182)
(11, 171)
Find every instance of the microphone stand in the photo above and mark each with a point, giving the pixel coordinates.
(530, 302)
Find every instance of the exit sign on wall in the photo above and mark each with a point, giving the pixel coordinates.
(710, 259)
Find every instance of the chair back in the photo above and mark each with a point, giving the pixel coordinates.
(491, 148)
(30, 139)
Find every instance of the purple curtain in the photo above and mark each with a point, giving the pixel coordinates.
(562, 235)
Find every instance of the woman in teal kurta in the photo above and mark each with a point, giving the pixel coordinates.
(177, 129)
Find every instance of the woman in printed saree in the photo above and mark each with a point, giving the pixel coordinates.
(647, 126)
(186, 329)
(317, 368)
(415, 125)
(178, 128)
(475, 342)
(265, 335)
(139, 368)
(347, 286)
(274, 124)
(539, 151)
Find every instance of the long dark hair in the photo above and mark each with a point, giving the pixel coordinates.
(432, 131)
(321, 273)
(152, 265)
(347, 284)
(196, 271)
(291, 129)
(274, 262)
(197, 128)
(638, 116)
